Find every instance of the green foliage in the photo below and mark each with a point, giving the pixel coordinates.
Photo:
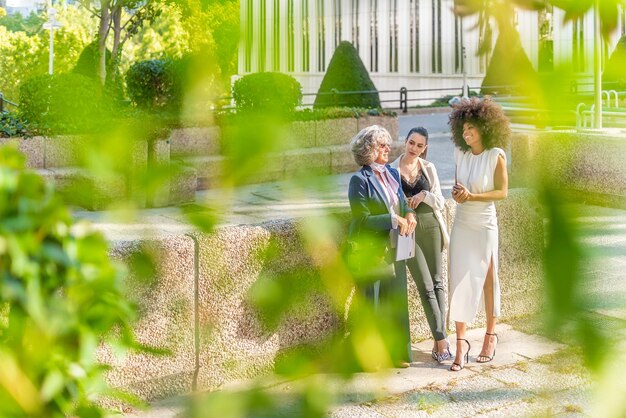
(18, 23)
(24, 55)
(12, 124)
(509, 71)
(62, 103)
(346, 73)
(228, 117)
(155, 83)
(213, 27)
(62, 297)
(274, 93)
(614, 76)
(19, 59)
(87, 64)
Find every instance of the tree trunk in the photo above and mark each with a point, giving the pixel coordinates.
(103, 31)
(117, 35)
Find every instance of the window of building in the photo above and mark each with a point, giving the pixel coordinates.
(393, 36)
(374, 35)
(321, 37)
(249, 36)
(337, 13)
(291, 37)
(306, 44)
(276, 36)
(436, 37)
(578, 45)
(355, 24)
(262, 35)
(414, 44)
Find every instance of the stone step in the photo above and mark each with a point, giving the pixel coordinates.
(81, 187)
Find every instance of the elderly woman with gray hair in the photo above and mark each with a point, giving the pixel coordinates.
(379, 211)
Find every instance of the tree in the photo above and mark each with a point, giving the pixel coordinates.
(346, 72)
(111, 14)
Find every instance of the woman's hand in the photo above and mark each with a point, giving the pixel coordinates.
(460, 194)
(406, 225)
(417, 199)
(412, 222)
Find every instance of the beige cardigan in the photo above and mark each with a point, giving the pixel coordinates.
(433, 198)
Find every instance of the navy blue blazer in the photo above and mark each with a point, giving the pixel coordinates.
(371, 215)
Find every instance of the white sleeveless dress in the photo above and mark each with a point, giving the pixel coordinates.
(474, 237)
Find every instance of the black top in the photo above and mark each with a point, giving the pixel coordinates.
(419, 184)
(411, 189)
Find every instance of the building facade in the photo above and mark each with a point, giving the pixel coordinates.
(417, 44)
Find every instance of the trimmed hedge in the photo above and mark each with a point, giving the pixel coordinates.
(346, 72)
(62, 103)
(155, 83)
(270, 92)
(509, 71)
(614, 75)
(88, 61)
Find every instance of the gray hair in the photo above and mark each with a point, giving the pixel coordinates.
(365, 144)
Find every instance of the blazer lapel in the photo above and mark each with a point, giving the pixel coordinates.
(371, 177)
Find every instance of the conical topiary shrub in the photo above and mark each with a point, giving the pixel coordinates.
(509, 71)
(614, 75)
(346, 72)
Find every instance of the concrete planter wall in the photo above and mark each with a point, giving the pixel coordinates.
(306, 148)
(198, 305)
(588, 166)
(61, 160)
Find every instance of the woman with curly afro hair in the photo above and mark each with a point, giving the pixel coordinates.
(480, 131)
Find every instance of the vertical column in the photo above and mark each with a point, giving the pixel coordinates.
(297, 17)
(425, 36)
(330, 31)
(241, 54)
(313, 50)
(364, 32)
(404, 53)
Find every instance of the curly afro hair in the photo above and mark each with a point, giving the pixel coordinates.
(487, 116)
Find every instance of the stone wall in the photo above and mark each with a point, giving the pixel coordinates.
(301, 148)
(588, 167)
(198, 305)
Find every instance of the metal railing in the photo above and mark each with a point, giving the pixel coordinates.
(4, 101)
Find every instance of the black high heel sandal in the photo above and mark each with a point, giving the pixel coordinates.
(489, 358)
(466, 355)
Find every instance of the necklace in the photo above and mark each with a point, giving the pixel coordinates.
(414, 173)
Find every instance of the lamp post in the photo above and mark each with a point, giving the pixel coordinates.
(51, 24)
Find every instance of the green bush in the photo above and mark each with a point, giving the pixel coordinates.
(60, 295)
(62, 103)
(274, 93)
(509, 71)
(89, 61)
(11, 124)
(155, 83)
(346, 73)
